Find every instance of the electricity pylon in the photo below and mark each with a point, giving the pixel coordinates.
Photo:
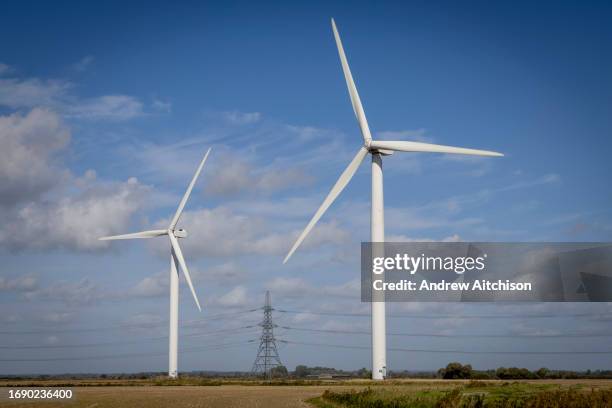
(267, 354)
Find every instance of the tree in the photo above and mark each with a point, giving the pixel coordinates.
(455, 371)
(279, 371)
(301, 371)
(364, 373)
(542, 372)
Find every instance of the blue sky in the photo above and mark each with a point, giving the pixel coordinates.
(105, 111)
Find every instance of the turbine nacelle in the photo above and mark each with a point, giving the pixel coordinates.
(384, 152)
(180, 233)
(367, 143)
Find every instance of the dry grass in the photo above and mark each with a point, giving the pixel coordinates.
(144, 393)
(473, 394)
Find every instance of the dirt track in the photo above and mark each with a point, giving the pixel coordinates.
(225, 396)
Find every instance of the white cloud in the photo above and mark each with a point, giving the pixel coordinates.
(51, 339)
(551, 178)
(83, 63)
(298, 287)
(242, 118)
(5, 69)
(152, 286)
(82, 292)
(222, 232)
(56, 94)
(29, 146)
(415, 134)
(19, 284)
(161, 106)
(145, 321)
(289, 287)
(44, 205)
(32, 92)
(231, 175)
(224, 273)
(75, 221)
(351, 289)
(404, 238)
(237, 297)
(57, 317)
(113, 107)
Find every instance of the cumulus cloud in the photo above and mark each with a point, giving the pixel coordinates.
(44, 204)
(152, 286)
(28, 93)
(75, 221)
(30, 145)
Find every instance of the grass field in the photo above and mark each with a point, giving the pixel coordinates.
(474, 394)
(196, 393)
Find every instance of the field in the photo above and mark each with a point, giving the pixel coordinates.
(323, 394)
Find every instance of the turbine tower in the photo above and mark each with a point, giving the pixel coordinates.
(176, 260)
(267, 354)
(376, 149)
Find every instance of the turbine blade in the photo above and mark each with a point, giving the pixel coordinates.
(344, 179)
(404, 146)
(181, 206)
(143, 234)
(352, 89)
(179, 255)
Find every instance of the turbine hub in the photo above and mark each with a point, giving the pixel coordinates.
(382, 152)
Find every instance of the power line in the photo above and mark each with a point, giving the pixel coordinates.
(190, 323)
(334, 331)
(450, 316)
(344, 346)
(304, 329)
(129, 355)
(110, 343)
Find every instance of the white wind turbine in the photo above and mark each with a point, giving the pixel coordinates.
(377, 149)
(176, 259)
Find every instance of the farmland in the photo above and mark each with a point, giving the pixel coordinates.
(323, 394)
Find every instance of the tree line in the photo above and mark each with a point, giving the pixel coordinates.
(457, 370)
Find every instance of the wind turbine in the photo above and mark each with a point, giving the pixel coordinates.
(176, 259)
(376, 149)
